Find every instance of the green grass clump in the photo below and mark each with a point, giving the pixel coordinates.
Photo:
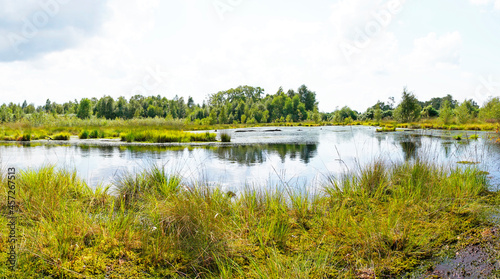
(61, 136)
(474, 137)
(225, 137)
(25, 137)
(457, 137)
(84, 134)
(94, 134)
(382, 221)
(386, 129)
(167, 136)
(203, 137)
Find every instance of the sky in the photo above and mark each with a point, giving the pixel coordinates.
(350, 52)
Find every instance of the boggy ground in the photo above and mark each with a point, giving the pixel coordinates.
(384, 221)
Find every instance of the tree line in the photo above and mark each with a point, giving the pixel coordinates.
(247, 104)
(410, 109)
(244, 104)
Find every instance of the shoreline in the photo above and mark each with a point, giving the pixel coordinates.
(74, 140)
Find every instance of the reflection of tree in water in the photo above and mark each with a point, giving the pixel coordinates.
(252, 154)
(84, 150)
(241, 154)
(410, 145)
(447, 148)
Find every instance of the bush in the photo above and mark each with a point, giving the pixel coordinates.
(205, 137)
(225, 136)
(94, 134)
(62, 136)
(474, 137)
(84, 135)
(25, 137)
(490, 112)
(167, 136)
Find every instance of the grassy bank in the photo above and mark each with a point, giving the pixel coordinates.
(384, 221)
(167, 136)
(24, 130)
(435, 125)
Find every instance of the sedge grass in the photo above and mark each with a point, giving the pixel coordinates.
(225, 136)
(382, 221)
(61, 136)
(155, 136)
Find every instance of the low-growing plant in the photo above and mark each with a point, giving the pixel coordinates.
(25, 137)
(225, 136)
(167, 136)
(474, 137)
(61, 136)
(94, 134)
(386, 129)
(84, 134)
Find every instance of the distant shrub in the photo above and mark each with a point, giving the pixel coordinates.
(84, 135)
(205, 137)
(386, 129)
(62, 136)
(94, 134)
(167, 136)
(225, 136)
(25, 137)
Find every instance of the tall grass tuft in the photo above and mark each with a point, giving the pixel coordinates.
(225, 136)
(167, 136)
(381, 221)
(25, 137)
(84, 134)
(62, 136)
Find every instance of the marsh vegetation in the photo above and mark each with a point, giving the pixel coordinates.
(385, 220)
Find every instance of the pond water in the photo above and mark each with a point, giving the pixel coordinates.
(297, 156)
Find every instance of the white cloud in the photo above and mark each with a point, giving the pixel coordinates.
(494, 3)
(104, 64)
(35, 27)
(434, 51)
(198, 54)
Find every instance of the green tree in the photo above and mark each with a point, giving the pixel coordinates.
(84, 109)
(307, 97)
(446, 112)
(222, 115)
(429, 112)
(121, 108)
(491, 110)
(48, 106)
(409, 109)
(377, 112)
(105, 107)
(462, 112)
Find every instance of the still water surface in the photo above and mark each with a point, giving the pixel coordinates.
(297, 156)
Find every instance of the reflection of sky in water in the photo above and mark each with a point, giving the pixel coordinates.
(297, 156)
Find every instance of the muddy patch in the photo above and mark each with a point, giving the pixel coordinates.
(474, 261)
